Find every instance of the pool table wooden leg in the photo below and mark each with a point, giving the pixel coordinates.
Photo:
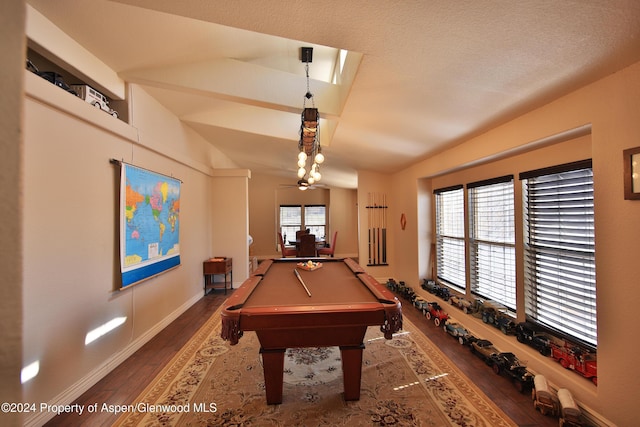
(273, 366)
(351, 370)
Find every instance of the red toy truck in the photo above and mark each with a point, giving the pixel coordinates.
(576, 359)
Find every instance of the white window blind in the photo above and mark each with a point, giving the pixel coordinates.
(450, 236)
(290, 221)
(315, 219)
(560, 280)
(492, 240)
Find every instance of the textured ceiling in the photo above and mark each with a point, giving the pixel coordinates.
(422, 75)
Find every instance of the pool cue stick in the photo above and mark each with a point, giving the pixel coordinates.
(301, 281)
(373, 228)
(369, 218)
(384, 228)
(378, 260)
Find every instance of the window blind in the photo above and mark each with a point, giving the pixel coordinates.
(315, 219)
(560, 285)
(290, 221)
(450, 236)
(492, 240)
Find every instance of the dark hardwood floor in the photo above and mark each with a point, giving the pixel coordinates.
(128, 380)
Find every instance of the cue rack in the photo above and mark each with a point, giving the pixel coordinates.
(377, 222)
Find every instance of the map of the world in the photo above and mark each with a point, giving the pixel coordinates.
(150, 223)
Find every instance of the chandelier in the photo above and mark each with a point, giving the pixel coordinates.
(309, 143)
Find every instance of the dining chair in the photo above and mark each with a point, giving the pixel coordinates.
(331, 249)
(285, 251)
(307, 246)
(302, 233)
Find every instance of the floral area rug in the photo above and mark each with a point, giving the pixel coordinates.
(406, 381)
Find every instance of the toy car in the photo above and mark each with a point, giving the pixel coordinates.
(500, 319)
(442, 292)
(526, 334)
(407, 292)
(420, 303)
(509, 365)
(456, 330)
(576, 359)
(484, 349)
(434, 311)
(51, 76)
(464, 304)
(570, 413)
(429, 285)
(95, 98)
(543, 397)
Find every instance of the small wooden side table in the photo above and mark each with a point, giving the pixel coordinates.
(217, 265)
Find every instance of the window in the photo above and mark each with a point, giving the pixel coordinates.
(492, 240)
(560, 286)
(315, 219)
(450, 236)
(297, 217)
(290, 221)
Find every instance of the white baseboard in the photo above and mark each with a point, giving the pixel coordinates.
(92, 378)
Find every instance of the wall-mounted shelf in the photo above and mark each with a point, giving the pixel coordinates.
(43, 65)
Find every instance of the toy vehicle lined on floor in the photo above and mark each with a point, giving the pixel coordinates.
(509, 365)
(500, 319)
(526, 333)
(484, 349)
(570, 413)
(544, 399)
(456, 330)
(436, 312)
(576, 359)
(506, 363)
(434, 288)
(420, 303)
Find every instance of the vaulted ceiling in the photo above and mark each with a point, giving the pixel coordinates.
(419, 76)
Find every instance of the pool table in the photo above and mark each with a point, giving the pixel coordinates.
(341, 302)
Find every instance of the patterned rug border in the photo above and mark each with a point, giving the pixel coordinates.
(188, 356)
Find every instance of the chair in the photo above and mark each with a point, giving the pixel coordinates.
(331, 249)
(285, 251)
(302, 233)
(307, 246)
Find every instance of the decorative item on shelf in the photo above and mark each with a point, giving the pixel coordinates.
(377, 221)
(309, 144)
(95, 98)
(631, 170)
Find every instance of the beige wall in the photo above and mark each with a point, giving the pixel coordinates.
(70, 237)
(267, 193)
(67, 230)
(606, 109)
(12, 52)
